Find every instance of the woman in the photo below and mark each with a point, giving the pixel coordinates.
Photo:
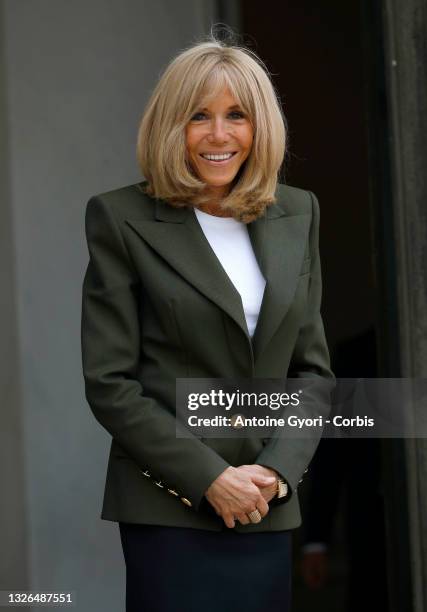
(207, 269)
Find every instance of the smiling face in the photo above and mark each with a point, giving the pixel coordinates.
(219, 138)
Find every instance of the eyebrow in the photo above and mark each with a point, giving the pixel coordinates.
(229, 108)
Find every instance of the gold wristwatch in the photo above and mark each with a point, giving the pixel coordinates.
(282, 488)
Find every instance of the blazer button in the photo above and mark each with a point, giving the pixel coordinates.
(186, 501)
(300, 480)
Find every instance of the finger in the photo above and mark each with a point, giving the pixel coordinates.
(258, 470)
(263, 481)
(242, 518)
(268, 492)
(262, 506)
(229, 520)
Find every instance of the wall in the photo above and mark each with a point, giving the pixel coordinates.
(75, 77)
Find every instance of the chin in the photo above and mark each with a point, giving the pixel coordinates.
(218, 182)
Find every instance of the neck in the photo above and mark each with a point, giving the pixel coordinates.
(213, 209)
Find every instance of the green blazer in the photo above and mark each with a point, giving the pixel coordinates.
(157, 305)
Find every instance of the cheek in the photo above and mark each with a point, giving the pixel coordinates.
(194, 134)
(248, 148)
(247, 139)
(190, 140)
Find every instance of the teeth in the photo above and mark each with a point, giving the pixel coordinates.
(217, 157)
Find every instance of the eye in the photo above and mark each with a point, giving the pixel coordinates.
(237, 115)
(201, 116)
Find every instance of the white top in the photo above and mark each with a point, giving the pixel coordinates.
(230, 242)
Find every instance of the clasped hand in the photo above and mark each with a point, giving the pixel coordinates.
(240, 490)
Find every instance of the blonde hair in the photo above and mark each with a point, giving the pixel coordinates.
(197, 73)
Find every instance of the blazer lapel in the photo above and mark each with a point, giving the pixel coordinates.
(188, 251)
(278, 240)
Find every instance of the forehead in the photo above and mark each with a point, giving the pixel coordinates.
(220, 97)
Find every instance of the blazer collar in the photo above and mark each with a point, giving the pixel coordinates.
(278, 240)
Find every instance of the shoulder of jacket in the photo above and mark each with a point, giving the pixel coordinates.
(128, 201)
(294, 200)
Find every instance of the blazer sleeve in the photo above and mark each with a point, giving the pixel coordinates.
(290, 456)
(110, 340)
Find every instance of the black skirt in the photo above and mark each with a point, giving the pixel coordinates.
(174, 569)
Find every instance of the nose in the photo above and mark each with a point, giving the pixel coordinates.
(219, 130)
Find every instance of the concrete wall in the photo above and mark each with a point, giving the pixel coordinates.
(13, 537)
(74, 77)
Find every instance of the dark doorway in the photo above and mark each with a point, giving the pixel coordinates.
(326, 60)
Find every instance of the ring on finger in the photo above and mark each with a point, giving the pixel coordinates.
(255, 516)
